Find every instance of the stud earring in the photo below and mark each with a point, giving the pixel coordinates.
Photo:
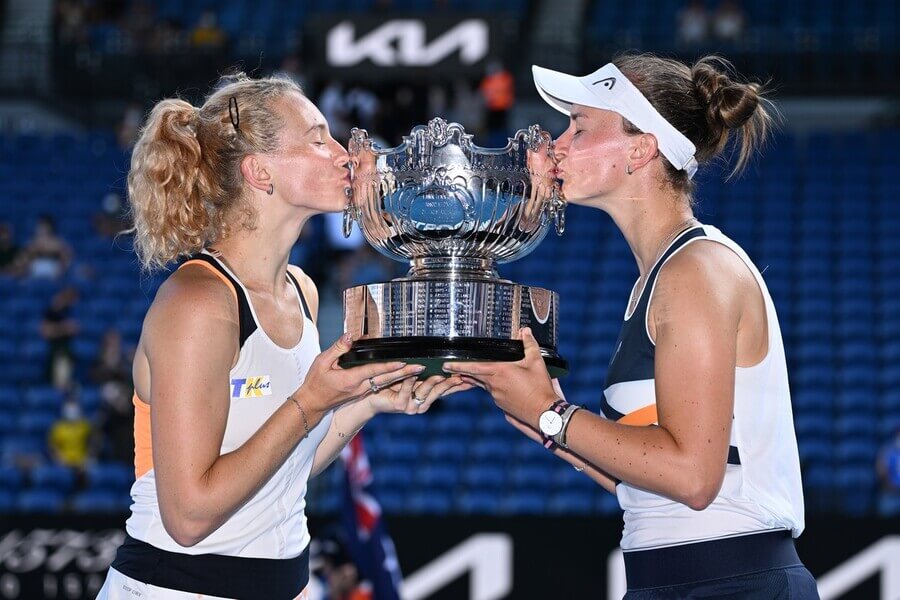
(628, 170)
(271, 189)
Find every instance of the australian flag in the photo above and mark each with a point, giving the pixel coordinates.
(368, 542)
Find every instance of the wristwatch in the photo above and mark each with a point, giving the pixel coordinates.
(551, 422)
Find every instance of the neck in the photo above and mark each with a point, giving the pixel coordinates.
(259, 256)
(648, 221)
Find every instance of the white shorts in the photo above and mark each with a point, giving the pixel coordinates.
(121, 587)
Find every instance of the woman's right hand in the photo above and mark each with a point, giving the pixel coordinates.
(327, 385)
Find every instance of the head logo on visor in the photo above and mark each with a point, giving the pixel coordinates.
(608, 82)
(608, 89)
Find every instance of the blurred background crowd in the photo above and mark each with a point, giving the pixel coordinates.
(819, 213)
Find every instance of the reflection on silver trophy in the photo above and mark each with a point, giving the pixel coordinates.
(454, 211)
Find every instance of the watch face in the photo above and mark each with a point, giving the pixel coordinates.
(551, 423)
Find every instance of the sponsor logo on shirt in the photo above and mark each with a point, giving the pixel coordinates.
(251, 387)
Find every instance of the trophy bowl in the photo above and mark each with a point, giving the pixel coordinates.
(454, 211)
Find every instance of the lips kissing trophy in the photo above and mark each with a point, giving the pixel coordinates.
(453, 211)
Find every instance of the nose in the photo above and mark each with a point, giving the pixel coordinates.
(340, 156)
(561, 145)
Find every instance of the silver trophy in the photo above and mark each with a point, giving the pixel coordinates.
(453, 210)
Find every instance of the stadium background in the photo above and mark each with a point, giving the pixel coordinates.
(819, 213)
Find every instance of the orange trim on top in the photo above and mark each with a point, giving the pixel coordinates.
(642, 416)
(216, 272)
(143, 443)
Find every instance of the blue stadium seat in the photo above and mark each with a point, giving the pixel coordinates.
(15, 446)
(524, 502)
(889, 504)
(53, 477)
(492, 450)
(485, 476)
(37, 422)
(45, 397)
(40, 501)
(112, 476)
(11, 479)
(571, 503)
(525, 477)
(430, 502)
(446, 448)
(100, 501)
(483, 502)
(445, 476)
(392, 501)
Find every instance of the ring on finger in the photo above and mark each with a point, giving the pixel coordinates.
(417, 400)
(373, 385)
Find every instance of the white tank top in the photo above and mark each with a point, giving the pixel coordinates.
(272, 523)
(761, 490)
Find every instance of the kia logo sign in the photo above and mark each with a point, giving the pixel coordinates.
(404, 43)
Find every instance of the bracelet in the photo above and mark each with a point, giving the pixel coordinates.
(302, 414)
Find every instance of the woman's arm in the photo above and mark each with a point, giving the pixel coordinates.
(353, 416)
(696, 320)
(190, 341)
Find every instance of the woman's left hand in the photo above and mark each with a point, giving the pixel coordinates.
(416, 397)
(522, 388)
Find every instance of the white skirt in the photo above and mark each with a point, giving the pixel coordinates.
(121, 587)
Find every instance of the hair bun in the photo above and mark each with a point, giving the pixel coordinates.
(729, 104)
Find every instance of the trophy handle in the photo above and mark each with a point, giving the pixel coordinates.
(350, 214)
(558, 211)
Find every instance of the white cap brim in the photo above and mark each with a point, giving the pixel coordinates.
(608, 89)
(561, 90)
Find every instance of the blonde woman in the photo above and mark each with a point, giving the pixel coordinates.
(694, 432)
(235, 406)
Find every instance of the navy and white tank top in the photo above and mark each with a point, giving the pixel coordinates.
(761, 490)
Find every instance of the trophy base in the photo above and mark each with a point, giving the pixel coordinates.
(433, 352)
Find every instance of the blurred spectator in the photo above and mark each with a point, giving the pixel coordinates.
(207, 33)
(113, 216)
(46, 256)
(139, 22)
(889, 464)
(168, 36)
(69, 438)
(341, 249)
(693, 24)
(9, 250)
(438, 102)
(728, 22)
(111, 365)
(114, 432)
(466, 107)
(498, 90)
(129, 125)
(71, 21)
(331, 565)
(59, 328)
(333, 104)
(292, 68)
(362, 107)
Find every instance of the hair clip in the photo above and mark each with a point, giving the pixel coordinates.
(234, 114)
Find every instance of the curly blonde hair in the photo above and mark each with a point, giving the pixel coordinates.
(184, 184)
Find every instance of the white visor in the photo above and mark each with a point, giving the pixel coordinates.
(608, 89)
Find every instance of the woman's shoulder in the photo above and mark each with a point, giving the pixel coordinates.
(194, 291)
(705, 271)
